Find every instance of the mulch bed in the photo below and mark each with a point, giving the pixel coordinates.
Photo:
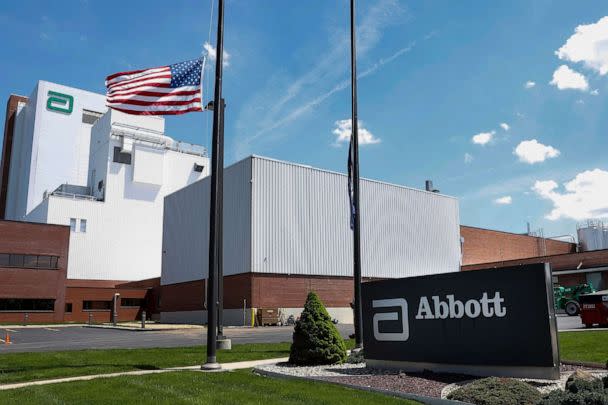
(426, 383)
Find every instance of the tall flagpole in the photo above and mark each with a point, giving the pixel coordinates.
(358, 318)
(215, 209)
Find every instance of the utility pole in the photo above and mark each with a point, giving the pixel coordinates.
(222, 342)
(215, 207)
(358, 318)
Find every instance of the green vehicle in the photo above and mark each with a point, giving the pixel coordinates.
(567, 298)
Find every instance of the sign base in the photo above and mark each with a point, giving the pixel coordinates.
(536, 373)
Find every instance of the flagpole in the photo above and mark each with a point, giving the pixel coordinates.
(215, 208)
(358, 318)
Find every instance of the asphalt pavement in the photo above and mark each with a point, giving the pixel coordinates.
(80, 338)
(49, 338)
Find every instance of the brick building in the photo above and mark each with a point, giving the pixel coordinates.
(34, 286)
(484, 248)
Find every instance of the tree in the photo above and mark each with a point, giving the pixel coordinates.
(316, 339)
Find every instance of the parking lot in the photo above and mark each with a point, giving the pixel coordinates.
(37, 339)
(51, 338)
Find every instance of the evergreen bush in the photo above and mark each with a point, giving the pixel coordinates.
(497, 391)
(583, 381)
(315, 338)
(559, 397)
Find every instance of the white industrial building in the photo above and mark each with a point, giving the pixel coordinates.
(51, 144)
(104, 174)
(286, 231)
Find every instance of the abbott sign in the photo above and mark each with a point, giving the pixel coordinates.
(485, 322)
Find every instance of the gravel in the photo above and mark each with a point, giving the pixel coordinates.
(425, 383)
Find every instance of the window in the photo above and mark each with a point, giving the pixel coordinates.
(121, 157)
(25, 304)
(198, 168)
(83, 225)
(45, 262)
(4, 259)
(68, 308)
(16, 261)
(96, 305)
(73, 224)
(131, 302)
(28, 261)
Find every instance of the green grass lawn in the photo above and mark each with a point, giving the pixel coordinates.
(588, 346)
(18, 367)
(189, 387)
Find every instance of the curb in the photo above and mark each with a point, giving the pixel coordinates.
(586, 364)
(134, 329)
(420, 398)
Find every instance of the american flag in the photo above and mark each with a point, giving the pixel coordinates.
(166, 90)
(351, 198)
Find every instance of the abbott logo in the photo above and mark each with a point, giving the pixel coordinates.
(60, 102)
(391, 316)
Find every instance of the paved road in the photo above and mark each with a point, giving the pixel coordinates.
(565, 322)
(79, 338)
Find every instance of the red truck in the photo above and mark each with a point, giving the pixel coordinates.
(594, 308)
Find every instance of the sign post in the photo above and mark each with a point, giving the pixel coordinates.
(493, 322)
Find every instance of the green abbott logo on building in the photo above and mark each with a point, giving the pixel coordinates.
(60, 102)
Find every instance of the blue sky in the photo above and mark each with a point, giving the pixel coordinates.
(433, 75)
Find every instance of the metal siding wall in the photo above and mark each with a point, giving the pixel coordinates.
(186, 227)
(301, 225)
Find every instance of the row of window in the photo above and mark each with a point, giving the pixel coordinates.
(28, 261)
(107, 305)
(74, 225)
(24, 304)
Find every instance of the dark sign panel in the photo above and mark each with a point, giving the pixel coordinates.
(483, 322)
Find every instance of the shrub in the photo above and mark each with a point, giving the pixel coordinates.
(605, 381)
(559, 397)
(315, 338)
(497, 391)
(581, 381)
(356, 357)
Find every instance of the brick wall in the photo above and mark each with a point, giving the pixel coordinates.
(260, 291)
(485, 246)
(78, 291)
(26, 283)
(572, 261)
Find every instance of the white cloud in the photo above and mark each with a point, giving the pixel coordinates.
(533, 151)
(589, 45)
(506, 200)
(294, 94)
(212, 53)
(585, 196)
(529, 84)
(566, 78)
(594, 92)
(343, 131)
(483, 138)
(468, 158)
(505, 126)
(580, 101)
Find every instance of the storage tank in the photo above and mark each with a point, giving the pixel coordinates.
(592, 235)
